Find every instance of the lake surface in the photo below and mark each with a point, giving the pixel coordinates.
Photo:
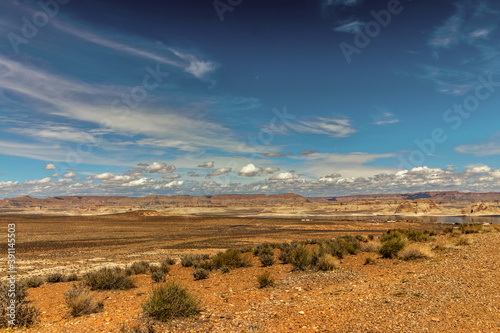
(493, 219)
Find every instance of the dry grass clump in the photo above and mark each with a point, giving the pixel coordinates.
(32, 282)
(266, 259)
(139, 267)
(24, 313)
(108, 279)
(159, 273)
(470, 228)
(232, 258)
(265, 280)
(55, 278)
(464, 240)
(190, 260)
(443, 245)
(81, 301)
(327, 262)
(416, 251)
(370, 247)
(170, 301)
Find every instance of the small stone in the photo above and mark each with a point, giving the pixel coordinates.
(302, 312)
(435, 319)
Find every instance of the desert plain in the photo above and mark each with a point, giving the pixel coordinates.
(454, 287)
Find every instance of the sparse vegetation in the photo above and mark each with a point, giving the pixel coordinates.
(170, 301)
(169, 261)
(158, 273)
(265, 280)
(390, 248)
(231, 258)
(33, 282)
(464, 240)
(25, 314)
(224, 269)
(470, 228)
(415, 251)
(108, 279)
(139, 267)
(371, 247)
(55, 278)
(201, 273)
(190, 260)
(146, 328)
(300, 258)
(266, 259)
(81, 301)
(327, 262)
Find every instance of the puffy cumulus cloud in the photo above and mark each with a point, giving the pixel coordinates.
(478, 169)
(155, 167)
(55, 175)
(477, 178)
(174, 183)
(37, 181)
(249, 170)
(169, 169)
(50, 166)
(207, 165)
(270, 170)
(69, 174)
(285, 176)
(276, 154)
(173, 176)
(217, 172)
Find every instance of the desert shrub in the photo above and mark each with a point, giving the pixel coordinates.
(170, 301)
(72, 277)
(371, 237)
(232, 258)
(25, 314)
(108, 279)
(201, 273)
(392, 234)
(205, 264)
(266, 259)
(165, 266)
(139, 267)
(55, 278)
(470, 228)
(417, 236)
(32, 282)
(464, 241)
(370, 261)
(350, 243)
(327, 263)
(415, 251)
(370, 247)
(391, 247)
(245, 249)
(224, 269)
(169, 261)
(286, 252)
(158, 274)
(190, 260)
(336, 249)
(265, 280)
(361, 238)
(300, 258)
(81, 301)
(448, 230)
(263, 249)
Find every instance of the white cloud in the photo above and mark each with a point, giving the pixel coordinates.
(483, 149)
(270, 170)
(37, 181)
(217, 172)
(173, 176)
(249, 170)
(155, 167)
(478, 169)
(207, 165)
(334, 127)
(50, 167)
(285, 176)
(69, 175)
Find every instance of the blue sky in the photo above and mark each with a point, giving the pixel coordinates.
(319, 98)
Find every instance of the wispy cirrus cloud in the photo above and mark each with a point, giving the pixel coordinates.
(352, 27)
(335, 127)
